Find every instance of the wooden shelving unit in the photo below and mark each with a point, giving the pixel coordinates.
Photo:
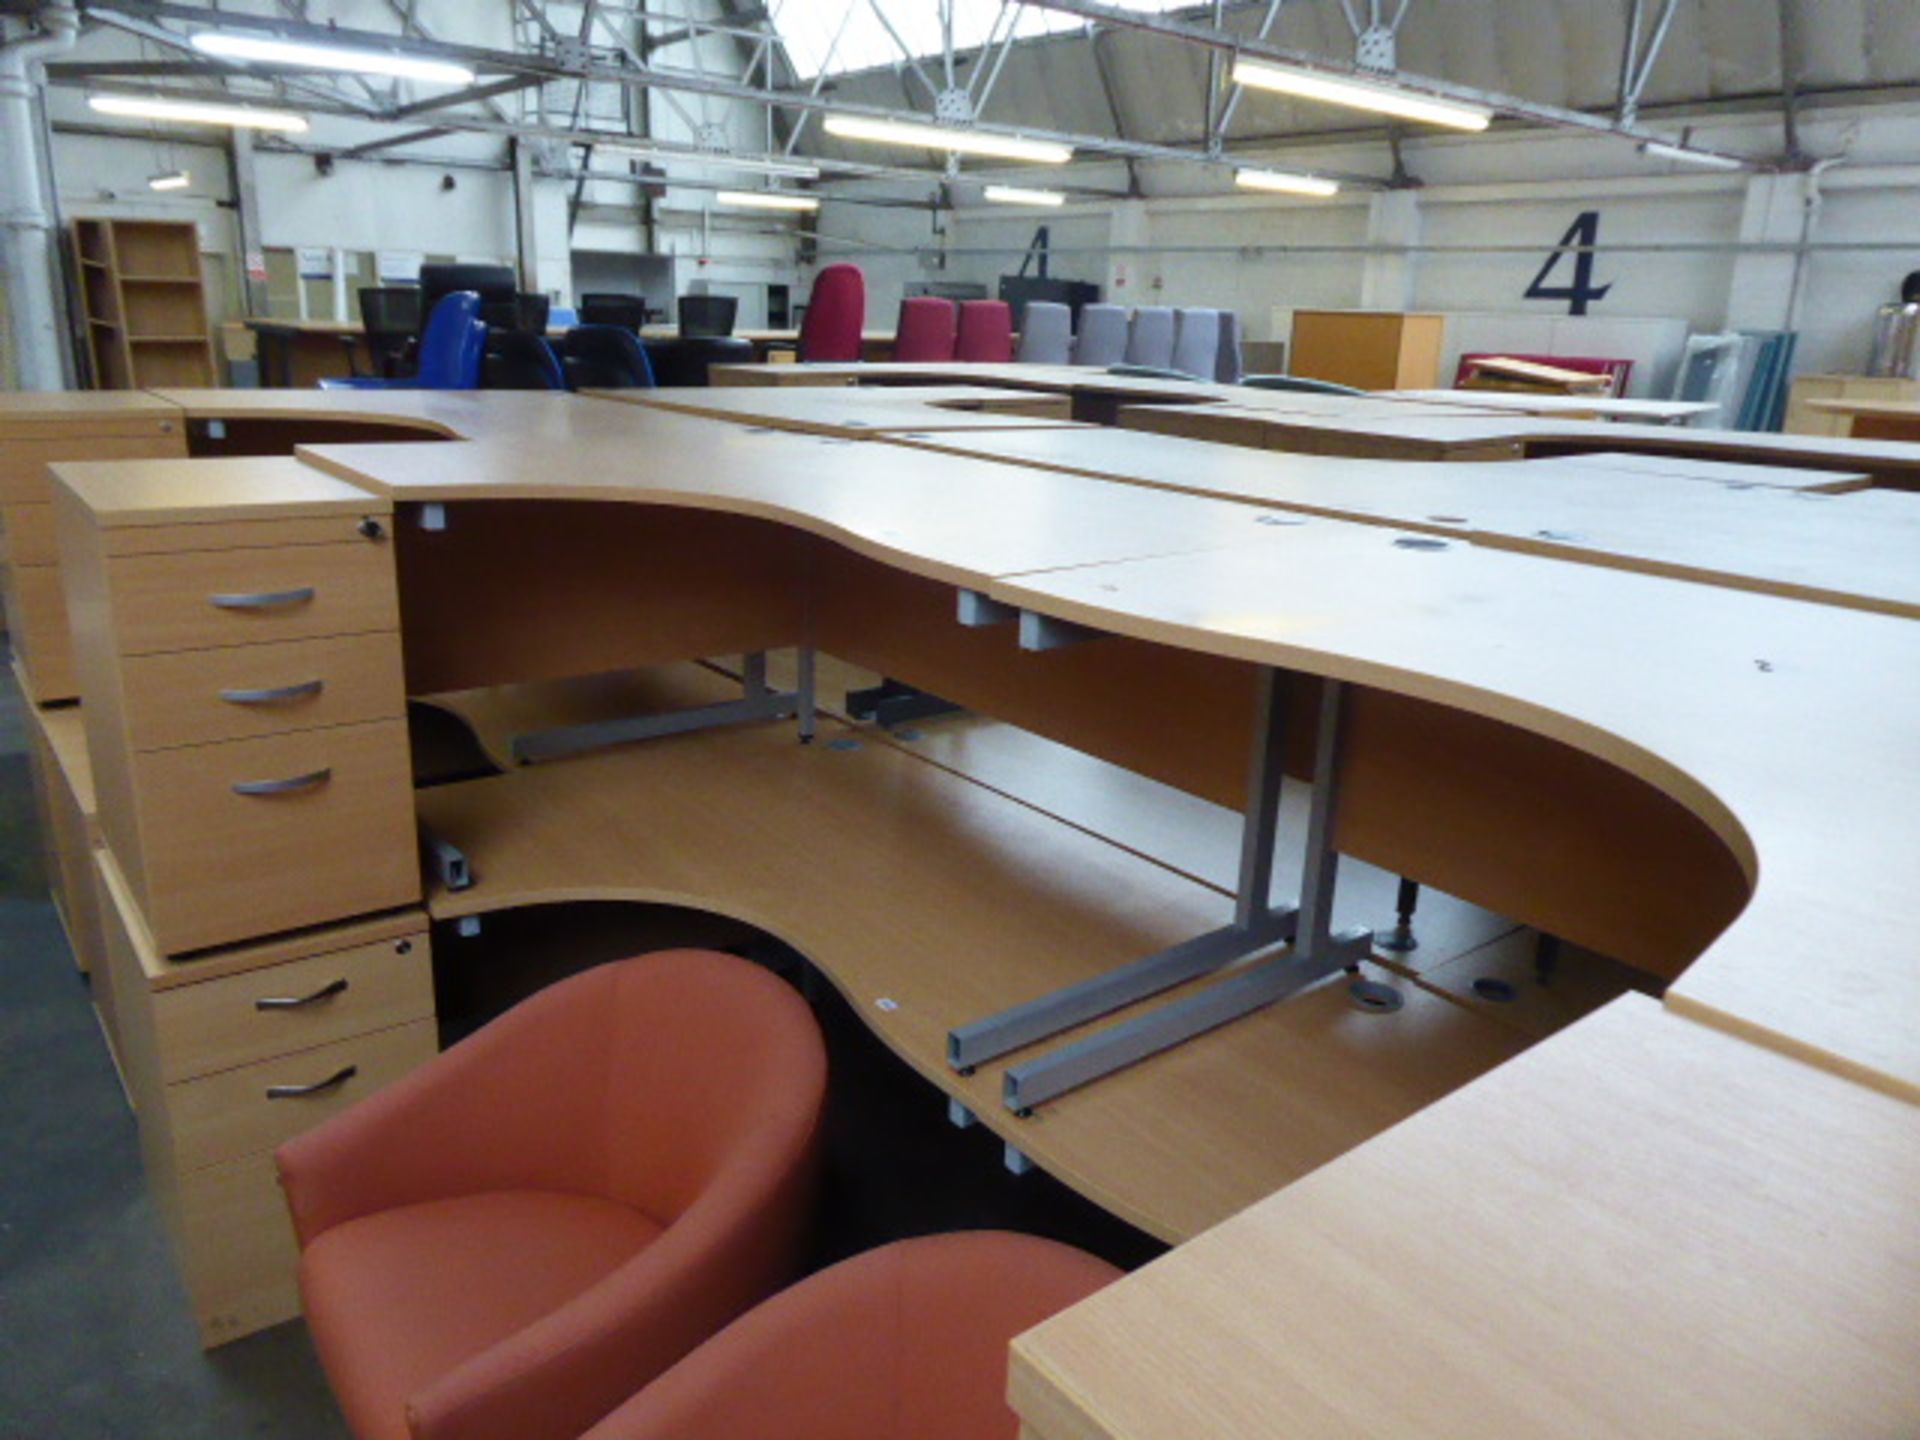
(146, 306)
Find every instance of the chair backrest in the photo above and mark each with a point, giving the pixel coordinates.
(523, 311)
(836, 314)
(1046, 333)
(986, 332)
(627, 310)
(1230, 363)
(606, 357)
(454, 344)
(928, 329)
(1103, 336)
(1150, 337)
(390, 310)
(1196, 342)
(684, 360)
(708, 317)
(494, 284)
(563, 317)
(518, 360)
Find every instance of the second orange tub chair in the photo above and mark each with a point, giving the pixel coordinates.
(518, 1236)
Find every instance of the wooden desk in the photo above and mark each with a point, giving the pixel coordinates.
(1096, 394)
(1874, 419)
(1591, 407)
(1722, 527)
(852, 413)
(1640, 1228)
(875, 345)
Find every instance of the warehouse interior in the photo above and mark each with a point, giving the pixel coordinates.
(959, 719)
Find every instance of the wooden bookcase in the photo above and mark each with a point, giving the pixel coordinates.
(146, 303)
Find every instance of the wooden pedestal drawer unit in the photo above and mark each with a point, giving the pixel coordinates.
(35, 431)
(69, 829)
(233, 1052)
(238, 645)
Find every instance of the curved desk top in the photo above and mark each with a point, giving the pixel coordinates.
(1777, 723)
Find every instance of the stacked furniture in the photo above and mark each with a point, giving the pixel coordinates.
(927, 329)
(1368, 349)
(145, 303)
(986, 332)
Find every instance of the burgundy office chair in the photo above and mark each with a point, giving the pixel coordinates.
(928, 330)
(836, 314)
(986, 332)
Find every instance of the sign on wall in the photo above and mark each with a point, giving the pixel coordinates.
(1577, 246)
(315, 262)
(399, 267)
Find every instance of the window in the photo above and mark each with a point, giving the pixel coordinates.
(809, 27)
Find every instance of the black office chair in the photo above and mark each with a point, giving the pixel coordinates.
(1298, 384)
(390, 315)
(707, 317)
(517, 360)
(627, 310)
(1154, 372)
(606, 357)
(523, 312)
(686, 361)
(496, 285)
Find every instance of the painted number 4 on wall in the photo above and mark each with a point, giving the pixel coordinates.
(1576, 245)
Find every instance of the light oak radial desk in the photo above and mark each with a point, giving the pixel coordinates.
(1460, 653)
(1724, 688)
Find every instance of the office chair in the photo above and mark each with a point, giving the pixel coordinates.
(836, 315)
(494, 284)
(707, 317)
(926, 331)
(685, 360)
(520, 360)
(450, 352)
(1046, 334)
(1150, 337)
(986, 332)
(1299, 385)
(627, 310)
(1102, 340)
(525, 311)
(529, 1228)
(1229, 365)
(390, 316)
(1196, 342)
(906, 1340)
(606, 357)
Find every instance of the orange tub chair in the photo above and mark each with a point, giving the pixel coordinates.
(907, 1342)
(518, 1236)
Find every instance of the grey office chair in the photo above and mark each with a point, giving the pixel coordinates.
(1046, 334)
(1196, 342)
(1150, 337)
(1299, 385)
(1228, 365)
(1103, 336)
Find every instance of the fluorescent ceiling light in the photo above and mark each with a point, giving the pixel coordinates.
(1017, 195)
(1362, 95)
(198, 112)
(1285, 183)
(948, 138)
(1690, 157)
(766, 200)
(655, 154)
(169, 180)
(330, 57)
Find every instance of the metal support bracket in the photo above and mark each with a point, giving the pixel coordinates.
(893, 702)
(433, 516)
(1046, 632)
(976, 610)
(1317, 953)
(1258, 923)
(758, 703)
(445, 861)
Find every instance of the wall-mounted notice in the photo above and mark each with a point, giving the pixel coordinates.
(400, 267)
(315, 262)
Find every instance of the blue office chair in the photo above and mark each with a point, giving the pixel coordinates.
(519, 360)
(450, 351)
(606, 357)
(1298, 385)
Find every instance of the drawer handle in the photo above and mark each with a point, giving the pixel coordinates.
(262, 599)
(319, 1087)
(299, 1002)
(293, 784)
(277, 695)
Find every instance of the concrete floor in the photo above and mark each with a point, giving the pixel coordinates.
(96, 1342)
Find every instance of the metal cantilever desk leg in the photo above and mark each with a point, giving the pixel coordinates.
(1257, 922)
(1317, 953)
